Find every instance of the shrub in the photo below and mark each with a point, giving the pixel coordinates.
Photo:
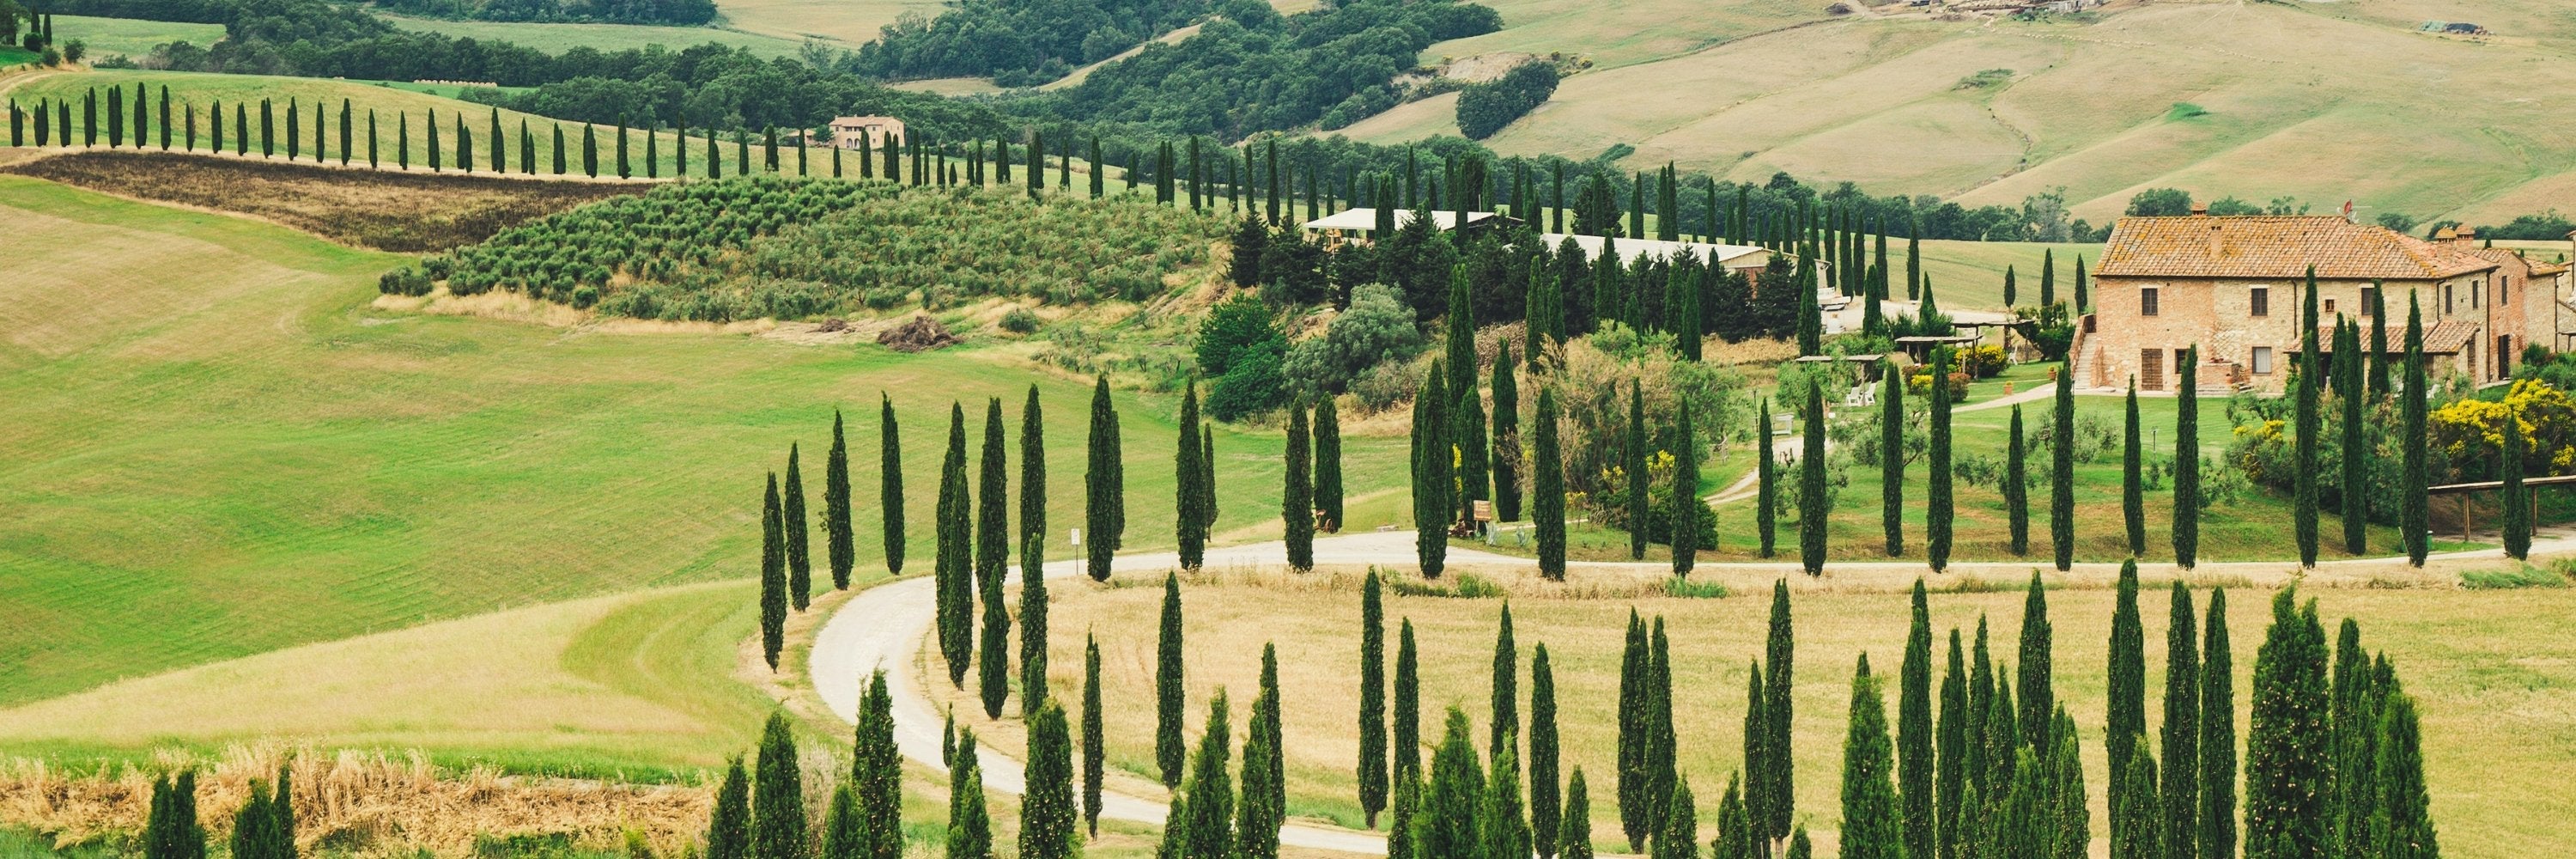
(1485, 108)
(1376, 329)
(1983, 362)
(1251, 385)
(408, 280)
(2470, 432)
(1020, 320)
(2054, 332)
(74, 49)
(1920, 383)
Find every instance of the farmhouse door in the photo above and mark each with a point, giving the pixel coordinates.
(2151, 369)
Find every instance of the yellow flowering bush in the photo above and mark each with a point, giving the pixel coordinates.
(2471, 431)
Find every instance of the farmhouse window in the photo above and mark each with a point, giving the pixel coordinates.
(2447, 308)
(2262, 360)
(2330, 306)
(2474, 290)
(2147, 301)
(2370, 301)
(2259, 301)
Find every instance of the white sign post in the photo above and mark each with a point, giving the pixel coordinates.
(1077, 556)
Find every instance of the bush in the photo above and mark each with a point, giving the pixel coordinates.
(1251, 385)
(1376, 329)
(1983, 362)
(408, 280)
(74, 49)
(1234, 325)
(1020, 320)
(2054, 333)
(1920, 384)
(1485, 108)
(2470, 432)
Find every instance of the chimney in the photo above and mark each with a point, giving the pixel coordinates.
(2466, 237)
(2214, 243)
(2200, 210)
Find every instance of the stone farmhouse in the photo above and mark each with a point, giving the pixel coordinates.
(2233, 286)
(848, 132)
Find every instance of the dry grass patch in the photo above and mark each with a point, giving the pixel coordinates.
(390, 211)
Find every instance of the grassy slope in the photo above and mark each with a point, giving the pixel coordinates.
(2491, 671)
(556, 38)
(264, 461)
(1872, 101)
(107, 37)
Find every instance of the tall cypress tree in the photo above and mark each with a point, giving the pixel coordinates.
(956, 576)
(773, 576)
(1328, 462)
(1372, 716)
(777, 795)
(1170, 695)
(1915, 761)
(1677, 833)
(1633, 461)
(1635, 817)
(1432, 459)
(837, 545)
(1033, 588)
(729, 826)
(877, 775)
(1186, 473)
(1506, 447)
(890, 483)
(2127, 710)
(2353, 713)
(1812, 506)
(2137, 809)
(1104, 513)
(970, 824)
(1688, 510)
(791, 515)
(1940, 506)
(992, 560)
(2517, 501)
(1891, 459)
(1547, 483)
(2304, 476)
(1094, 757)
(1759, 758)
(1404, 736)
(1450, 822)
(2038, 700)
(1256, 827)
(2061, 480)
(2353, 505)
(2215, 820)
(2401, 824)
(1766, 472)
(2016, 486)
(841, 825)
(1506, 722)
(1664, 775)
(1950, 747)
(1779, 663)
(2133, 499)
(2414, 518)
(1467, 429)
(2072, 836)
(2186, 479)
(1574, 826)
(1871, 821)
(1505, 823)
(1544, 813)
(2288, 759)
(2181, 795)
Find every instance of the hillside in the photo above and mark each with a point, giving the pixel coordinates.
(2321, 102)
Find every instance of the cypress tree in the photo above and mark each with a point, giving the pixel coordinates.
(2287, 757)
(2133, 502)
(877, 775)
(1451, 824)
(1914, 741)
(1799, 846)
(1941, 507)
(371, 133)
(956, 577)
(2061, 481)
(890, 483)
(777, 796)
(2378, 367)
(836, 507)
(2353, 506)
(1779, 661)
(1047, 814)
(1950, 745)
(841, 828)
(1256, 827)
(2083, 300)
(2401, 823)
(1735, 837)
(1574, 827)
(773, 576)
(171, 830)
(1990, 721)
(1033, 588)
(528, 151)
(2073, 835)
(2186, 478)
(1094, 757)
(1461, 335)
(1207, 476)
(1677, 833)
(1328, 462)
(992, 560)
(1506, 826)
(2414, 518)
(1297, 496)
(2011, 288)
(2353, 714)
(2215, 821)
(1544, 813)
(1170, 696)
(2180, 799)
(970, 824)
(625, 170)
(1432, 462)
(1635, 745)
(1506, 443)
(1547, 485)
(1104, 510)
(1505, 686)
(768, 148)
(1687, 508)
(715, 161)
(1267, 717)
(2517, 501)
(1871, 824)
(1210, 795)
(1633, 461)
(1891, 459)
(1661, 743)
(1812, 507)
(2127, 710)
(1811, 320)
(1404, 738)
(728, 828)
(2304, 477)
(241, 129)
(1401, 838)
(2137, 810)
(1759, 759)
(429, 123)
(1372, 716)
(559, 155)
(2016, 486)
(791, 515)
(1186, 497)
(464, 144)
(1766, 494)
(2037, 697)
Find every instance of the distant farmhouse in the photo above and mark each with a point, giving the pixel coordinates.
(2232, 286)
(872, 132)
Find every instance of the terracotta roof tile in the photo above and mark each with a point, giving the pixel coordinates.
(2506, 257)
(2275, 246)
(2446, 337)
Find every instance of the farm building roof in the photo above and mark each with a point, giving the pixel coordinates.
(2500, 255)
(2277, 247)
(1366, 219)
(1730, 256)
(2446, 337)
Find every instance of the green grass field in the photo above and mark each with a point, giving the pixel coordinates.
(108, 37)
(1755, 87)
(260, 460)
(2490, 670)
(557, 38)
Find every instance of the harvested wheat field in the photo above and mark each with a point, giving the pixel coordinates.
(384, 210)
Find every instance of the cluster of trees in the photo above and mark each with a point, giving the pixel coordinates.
(679, 12)
(263, 826)
(1019, 43)
(786, 539)
(1486, 107)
